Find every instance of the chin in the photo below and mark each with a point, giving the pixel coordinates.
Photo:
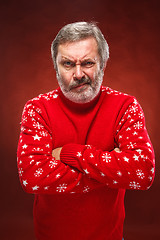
(83, 97)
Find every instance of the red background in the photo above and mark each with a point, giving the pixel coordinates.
(27, 29)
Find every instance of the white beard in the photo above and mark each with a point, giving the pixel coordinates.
(85, 95)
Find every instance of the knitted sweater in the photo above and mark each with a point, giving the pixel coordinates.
(81, 196)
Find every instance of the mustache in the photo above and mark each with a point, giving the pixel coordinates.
(78, 82)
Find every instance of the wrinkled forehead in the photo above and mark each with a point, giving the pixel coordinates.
(85, 48)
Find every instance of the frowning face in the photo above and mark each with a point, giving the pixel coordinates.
(78, 70)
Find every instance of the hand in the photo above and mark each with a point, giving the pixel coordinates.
(56, 153)
(117, 150)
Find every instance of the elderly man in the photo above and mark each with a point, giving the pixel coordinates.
(82, 144)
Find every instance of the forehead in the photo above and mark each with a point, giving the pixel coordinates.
(79, 49)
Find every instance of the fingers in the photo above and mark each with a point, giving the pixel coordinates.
(117, 150)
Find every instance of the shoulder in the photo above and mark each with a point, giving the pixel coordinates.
(117, 96)
(40, 103)
(44, 99)
(46, 96)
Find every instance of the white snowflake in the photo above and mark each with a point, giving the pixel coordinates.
(46, 188)
(133, 109)
(136, 158)
(61, 187)
(88, 146)
(47, 145)
(138, 125)
(102, 174)
(20, 172)
(79, 154)
(25, 183)
(43, 133)
(24, 146)
(135, 102)
(139, 151)
(140, 174)
(86, 171)
(91, 155)
(119, 173)
(53, 164)
(38, 110)
(37, 149)
(58, 175)
(78, 183)
(131, 145)
(32, 161)
(35, 188)
(140, 137)
(126, 159)
(135, 133)
(120, 136)
(148, 144)
(38, 162)
(86, 189)
(37, 125)
(134, 185)
(115, 182)
(106, 157)
(31, 113)
(38, 172)
(150, 178)
(55, 95)
(131, 120)
(141, 115)
(24, 119)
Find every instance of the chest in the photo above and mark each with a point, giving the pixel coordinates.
(95, 127)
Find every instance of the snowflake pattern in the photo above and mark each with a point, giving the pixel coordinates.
(140, 174)
(62, 187)
(119, 173)
(138, 125)
(53, 164)
(134, 185)
(106, 157)
(20, 172)
(35, 188)
(79, 154)
(25, 183)
(38, 172)
(86, 189)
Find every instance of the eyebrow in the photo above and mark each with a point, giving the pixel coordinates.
(72, 60)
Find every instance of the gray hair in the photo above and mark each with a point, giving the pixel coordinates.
(78, 31)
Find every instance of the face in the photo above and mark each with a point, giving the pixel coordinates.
(78, 70)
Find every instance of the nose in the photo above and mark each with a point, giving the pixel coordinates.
(78, 72)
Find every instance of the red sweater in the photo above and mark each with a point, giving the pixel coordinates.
(82, 195)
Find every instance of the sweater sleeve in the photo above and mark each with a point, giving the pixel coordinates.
(38, 171)
(131, 168)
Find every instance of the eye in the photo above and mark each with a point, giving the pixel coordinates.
(87, 64)
(68, 64)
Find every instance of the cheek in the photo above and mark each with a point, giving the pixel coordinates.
(92, 73)
(65, 76)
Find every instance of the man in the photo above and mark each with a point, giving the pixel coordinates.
(82, 144)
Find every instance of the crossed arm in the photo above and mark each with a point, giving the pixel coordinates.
(81, 168)
(57, 152)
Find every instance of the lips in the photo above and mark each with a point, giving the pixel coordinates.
(80, 86)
